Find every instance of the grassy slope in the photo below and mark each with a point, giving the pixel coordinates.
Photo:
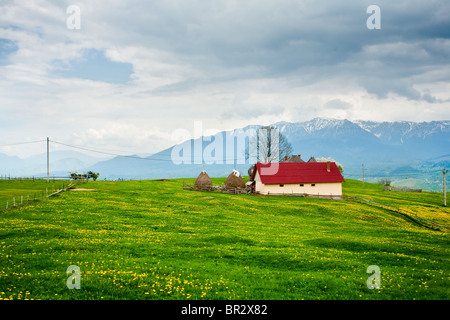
(154, 240)
(26, 189)
(427, 205)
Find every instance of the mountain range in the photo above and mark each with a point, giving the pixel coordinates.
(61, 162)
(403, 149)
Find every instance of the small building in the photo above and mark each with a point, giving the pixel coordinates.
(298, 178)
(294, 158)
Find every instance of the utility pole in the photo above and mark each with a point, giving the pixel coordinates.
(48, 162)
(363, 174)
(444, 172)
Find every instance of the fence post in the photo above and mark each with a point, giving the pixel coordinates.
(6, 205)
(14, 201)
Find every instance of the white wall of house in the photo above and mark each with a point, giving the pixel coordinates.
(333, 189)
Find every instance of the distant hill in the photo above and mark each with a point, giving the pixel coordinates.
(61, 162)
(386, 148)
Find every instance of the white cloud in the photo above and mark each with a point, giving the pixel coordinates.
(227, 63)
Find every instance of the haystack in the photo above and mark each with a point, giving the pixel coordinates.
(234, 180)
(203, 181)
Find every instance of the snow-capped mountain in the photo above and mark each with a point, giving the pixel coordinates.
(387, 145)
(401, 131)
(395, 132)
(380, 144)
(368, 141)
(319, 127)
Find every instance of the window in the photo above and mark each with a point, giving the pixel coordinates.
(313, 184)
(301, 184)
(281, 185)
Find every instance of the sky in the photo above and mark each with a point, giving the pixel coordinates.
(123, 76)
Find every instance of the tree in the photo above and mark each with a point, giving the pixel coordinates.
(87, 176)
(92, 175)
(385, 182)
(77, 176)
(270, 145)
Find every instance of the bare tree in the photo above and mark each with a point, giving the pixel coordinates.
(270, 145)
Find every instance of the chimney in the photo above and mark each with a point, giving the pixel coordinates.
(328, 166)
(285, 158)
(299, 155)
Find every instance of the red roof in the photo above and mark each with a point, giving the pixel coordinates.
(298, 172)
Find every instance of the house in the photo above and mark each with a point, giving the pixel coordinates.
(294, 158)
(298, 178)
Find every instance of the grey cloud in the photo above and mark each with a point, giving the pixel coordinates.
(191, 58)
(337, 104)
(307, 40)
(251, 112)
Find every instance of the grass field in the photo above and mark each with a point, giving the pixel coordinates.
(154, 240)
(24, 189)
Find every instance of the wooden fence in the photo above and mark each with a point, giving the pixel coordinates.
(306, 195)
(216, 189)
(389, 188)
(249, 191)
(8, 177)
(36, 196)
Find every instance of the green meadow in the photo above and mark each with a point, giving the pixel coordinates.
(22, 190)
(154, 240)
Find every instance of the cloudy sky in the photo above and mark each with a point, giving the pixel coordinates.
(135, 71)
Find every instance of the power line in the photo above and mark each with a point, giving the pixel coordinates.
(387, 174)
(130, 156)
(369, 171)
(19, 143)
(107, 153)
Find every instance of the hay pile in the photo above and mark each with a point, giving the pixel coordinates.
(234, 180)
(203, 181)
